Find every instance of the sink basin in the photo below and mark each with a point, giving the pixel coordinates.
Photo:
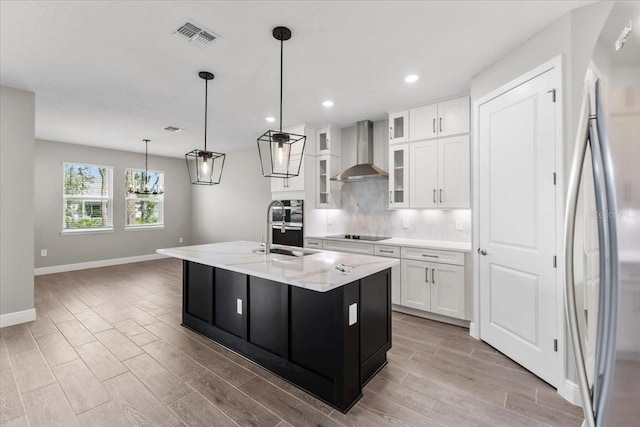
(291, 252)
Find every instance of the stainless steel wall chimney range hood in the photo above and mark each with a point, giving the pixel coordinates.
(364, 169)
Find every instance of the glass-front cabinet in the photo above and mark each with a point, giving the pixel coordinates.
(327, 191)
(399, 176)
(399, 127)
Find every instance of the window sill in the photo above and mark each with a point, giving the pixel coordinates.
(87, 231)
(144, 227)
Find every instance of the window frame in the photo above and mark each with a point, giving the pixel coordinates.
(108, 198)
(154, 198)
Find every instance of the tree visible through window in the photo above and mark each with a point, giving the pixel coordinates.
(144, 198)
(87, 197)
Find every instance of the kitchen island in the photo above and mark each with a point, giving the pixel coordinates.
(319, 319)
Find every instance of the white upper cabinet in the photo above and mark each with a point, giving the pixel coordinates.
(328, 141)
(327, 191)
(453, 172)
(399, 176)
(399, 127)
(423, 122)
(295, 183)
(453, 117)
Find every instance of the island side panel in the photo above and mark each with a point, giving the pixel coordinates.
(198, 296)
(230, 302)
(268, 314)
(375, 323)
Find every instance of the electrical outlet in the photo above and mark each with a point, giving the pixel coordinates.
(239, 306)
(405, 223)
(43, 252)
(458, 225)
(180, 240)
(329, 221)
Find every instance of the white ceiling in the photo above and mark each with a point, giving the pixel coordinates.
(109, 73)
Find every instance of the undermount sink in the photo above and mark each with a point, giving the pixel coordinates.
(291, 252)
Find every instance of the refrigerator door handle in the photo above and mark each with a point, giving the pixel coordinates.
(569, 229)
(609, 247)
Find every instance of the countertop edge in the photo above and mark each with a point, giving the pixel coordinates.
(399, 241)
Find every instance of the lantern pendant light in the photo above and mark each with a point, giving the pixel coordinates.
(143, 189)
(205, 167)
(281, 152)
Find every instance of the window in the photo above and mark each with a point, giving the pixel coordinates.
(144, 198)
(88, 197)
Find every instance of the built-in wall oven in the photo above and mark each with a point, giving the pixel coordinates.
(293, 234)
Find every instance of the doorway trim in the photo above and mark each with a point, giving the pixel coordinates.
(474, 329)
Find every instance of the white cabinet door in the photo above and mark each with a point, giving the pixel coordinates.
(295, 183)
(322, 182)
(323, 141)
(399, 176)
(453, 172)
(447, 290)
(453, 117)
(423, 174)
(423, 122)
(415, 289)
(399, 127)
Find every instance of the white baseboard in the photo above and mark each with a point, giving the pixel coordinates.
(94, 264)
(473, 330)
(17, 317)
(571, 392)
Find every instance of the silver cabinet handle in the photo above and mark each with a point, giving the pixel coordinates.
(426, 275)
(441, 195)
(390, 132)
(434, 196)
(440, 124)
(390, 196)
(482, 251)
(385, 251)
(433, 277)
(430, 256)
(569, 229)
(434, 125)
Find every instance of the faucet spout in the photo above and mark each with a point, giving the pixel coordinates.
(267, 246)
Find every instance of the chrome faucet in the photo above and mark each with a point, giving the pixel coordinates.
(267, 246)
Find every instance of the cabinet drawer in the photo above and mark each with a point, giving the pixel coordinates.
(388, 251)
(358, 248)
(313, 243)
(433, 255)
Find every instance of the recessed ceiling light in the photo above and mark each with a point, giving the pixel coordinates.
(327, 103)
(411, 78)
(270, 119)
(173, 129)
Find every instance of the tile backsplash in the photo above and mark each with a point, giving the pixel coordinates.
(364, 210)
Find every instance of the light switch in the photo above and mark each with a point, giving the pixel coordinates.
(239, 306)
(180, 240)
(353, 314)
(43, 252)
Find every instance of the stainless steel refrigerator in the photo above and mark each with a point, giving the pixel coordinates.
(602, 227)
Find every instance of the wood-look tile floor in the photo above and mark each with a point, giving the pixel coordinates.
(107, 348)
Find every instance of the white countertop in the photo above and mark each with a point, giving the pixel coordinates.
(316, 272)
(415, 243)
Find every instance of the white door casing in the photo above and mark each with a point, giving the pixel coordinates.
(517, 223)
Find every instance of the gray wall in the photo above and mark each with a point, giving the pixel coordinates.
(17, 129)
(77, 248)
(236, 208)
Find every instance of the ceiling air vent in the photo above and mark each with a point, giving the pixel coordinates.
(194, 33)
(173, 129)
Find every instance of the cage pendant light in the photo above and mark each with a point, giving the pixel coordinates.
(143, 188)
(281, 152)
(205, 167)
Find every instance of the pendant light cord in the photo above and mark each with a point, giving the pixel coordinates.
(281, 62)
(206, 98)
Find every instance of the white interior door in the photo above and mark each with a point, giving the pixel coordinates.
(517, 223)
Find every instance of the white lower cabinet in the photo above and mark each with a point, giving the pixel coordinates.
(432, 286)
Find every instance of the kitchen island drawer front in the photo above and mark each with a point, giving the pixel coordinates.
(388, 251)
(358, 248)
(313, 243)
(432, 255)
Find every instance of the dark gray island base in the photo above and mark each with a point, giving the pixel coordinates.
(301, 335)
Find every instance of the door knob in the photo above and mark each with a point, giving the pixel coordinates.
(482, 251)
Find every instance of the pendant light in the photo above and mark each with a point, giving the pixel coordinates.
(205, 167)
(143, 189)
(281, 152)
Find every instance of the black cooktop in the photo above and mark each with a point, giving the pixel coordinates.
(359, 237)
